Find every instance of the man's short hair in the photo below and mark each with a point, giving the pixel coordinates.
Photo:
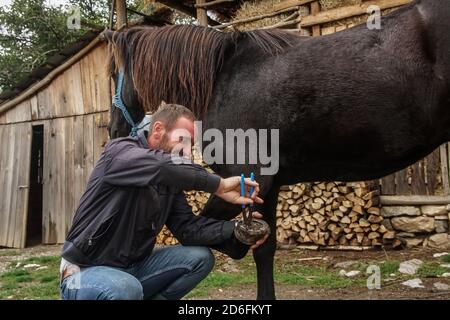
(168, 114)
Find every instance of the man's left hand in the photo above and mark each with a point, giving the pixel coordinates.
(258, 243)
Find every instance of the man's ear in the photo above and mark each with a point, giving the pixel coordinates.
(158, 127)
(107, 35)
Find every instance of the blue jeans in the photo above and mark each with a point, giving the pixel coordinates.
(168, 273)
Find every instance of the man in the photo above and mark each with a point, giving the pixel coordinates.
(135, 188)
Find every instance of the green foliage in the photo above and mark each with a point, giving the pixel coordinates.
(32, 30)
(446, 258)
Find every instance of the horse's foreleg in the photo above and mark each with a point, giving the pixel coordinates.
(219, 209)
(264, 255)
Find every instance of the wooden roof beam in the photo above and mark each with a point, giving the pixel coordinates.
(186, 10)
(214, 3)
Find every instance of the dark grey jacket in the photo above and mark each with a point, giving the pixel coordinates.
(132, 192)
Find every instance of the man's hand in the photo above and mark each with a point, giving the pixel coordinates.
(230, 191)
(258, 215)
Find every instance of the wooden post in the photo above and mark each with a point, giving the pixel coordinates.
(445, 157)
(111, 14)
(121, 14)
(388, 185)
(303, 11)
(315, 9)
(202, 17)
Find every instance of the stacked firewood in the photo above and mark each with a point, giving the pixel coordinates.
(327, 214)
(331, 214)
(165, 237)
(197, 201)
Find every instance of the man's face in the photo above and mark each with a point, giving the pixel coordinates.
(178, 140)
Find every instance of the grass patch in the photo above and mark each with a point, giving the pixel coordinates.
(44, 260)
(315, 277)
(20, 283)
(217, 280)
(431, 270)
(389, 267)
(9, 253)
(288, 272)
(446, 258)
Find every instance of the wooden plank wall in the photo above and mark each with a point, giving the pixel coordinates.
(78, 143)
(74, 110)
(78, 90)
(14, 181)
(429, 176)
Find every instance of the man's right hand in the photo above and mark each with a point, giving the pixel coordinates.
(230, 191)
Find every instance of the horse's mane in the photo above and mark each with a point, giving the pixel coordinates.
(178, 64)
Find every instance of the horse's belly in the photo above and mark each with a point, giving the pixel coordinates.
(330, 172)
(337, 167)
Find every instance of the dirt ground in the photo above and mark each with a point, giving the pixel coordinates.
(8, 256)
(389, 290)
(293, 292)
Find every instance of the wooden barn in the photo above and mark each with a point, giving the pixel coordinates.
(51, 135)
(53, 128)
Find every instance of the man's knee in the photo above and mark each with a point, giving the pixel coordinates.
(103, 284)
(203, 257)
(129, 290)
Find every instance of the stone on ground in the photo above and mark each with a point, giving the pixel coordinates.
(440, 254)
(346, 264)
(413, 283)
(410, 267)
(441, 286)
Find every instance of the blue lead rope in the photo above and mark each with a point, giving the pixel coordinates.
(118, 102)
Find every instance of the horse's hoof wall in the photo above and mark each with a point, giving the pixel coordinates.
(250, 234)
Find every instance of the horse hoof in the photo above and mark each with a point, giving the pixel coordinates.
(252, 233)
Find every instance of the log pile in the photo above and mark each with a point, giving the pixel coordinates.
(165, 237)
(331, 214)
(326, 214)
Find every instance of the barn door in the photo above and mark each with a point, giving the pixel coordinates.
(14, 183)
(34, 220)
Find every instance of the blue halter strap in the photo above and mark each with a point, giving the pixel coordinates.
(118, 102)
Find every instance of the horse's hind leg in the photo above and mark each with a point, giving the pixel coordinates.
(264, 255)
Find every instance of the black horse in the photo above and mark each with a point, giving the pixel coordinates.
(355, 105)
